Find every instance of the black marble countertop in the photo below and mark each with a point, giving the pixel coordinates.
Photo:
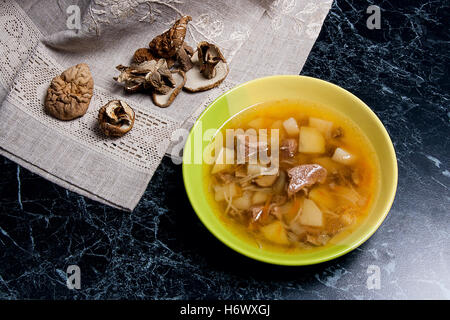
(162, 251)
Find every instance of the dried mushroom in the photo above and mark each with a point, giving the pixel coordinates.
(209, 56)
(142, 54)
(210, 68)
(70, 93)
(170, 44)
(169, 64)
(116, 118)
(148, 75)
(165, 100)
(160, 78)
(131, 78)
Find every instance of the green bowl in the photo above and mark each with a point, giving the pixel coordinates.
(293, 88)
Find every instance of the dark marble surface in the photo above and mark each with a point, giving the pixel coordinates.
(161, 250)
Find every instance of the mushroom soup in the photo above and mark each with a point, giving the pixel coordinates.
(290, 176)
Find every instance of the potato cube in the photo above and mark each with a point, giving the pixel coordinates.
(291, 127)
(275, 233)
(311, 140)
(311, 214)
(342, 156)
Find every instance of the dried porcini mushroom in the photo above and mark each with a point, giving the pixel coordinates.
(165, 100)
(171, 44)
(210, 68)
(167, 44)
(148, 75)
(70, 93)
(132, 78)
(160, 78)
(116, 118)
(209, 56)
(142, 54)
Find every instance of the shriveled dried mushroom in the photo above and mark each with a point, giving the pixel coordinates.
(160, 78)
(149, 75)
(116, 118)
(132, 79)
(210, 68)
(70, 93)
(209, 56)
(165, 100)
(170, 44)
(142, 54)
(167, 44)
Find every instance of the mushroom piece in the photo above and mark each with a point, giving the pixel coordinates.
(184, 57)
(170, 44)
(160, 78)
(142, 54)
(209, 56)
(165, 100)
(289, 148)
(148, 75)
(70, 93)
(116, 118)
(305, 176)
(210, 68)
(132, 77)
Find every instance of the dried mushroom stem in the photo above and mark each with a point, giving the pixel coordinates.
(116, 118)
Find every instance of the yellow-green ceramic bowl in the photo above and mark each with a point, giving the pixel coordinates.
(293, 88)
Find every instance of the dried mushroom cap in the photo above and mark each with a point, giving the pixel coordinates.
(167, 44)
(209, 56)
(116, 118)
(165, 100)
(148, 75)
(70, 93)
(160, 78)
(197, 82)
(142, 54)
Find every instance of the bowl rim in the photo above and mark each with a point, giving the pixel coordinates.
(372, 229)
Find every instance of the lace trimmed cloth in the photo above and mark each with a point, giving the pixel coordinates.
(41, 38)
